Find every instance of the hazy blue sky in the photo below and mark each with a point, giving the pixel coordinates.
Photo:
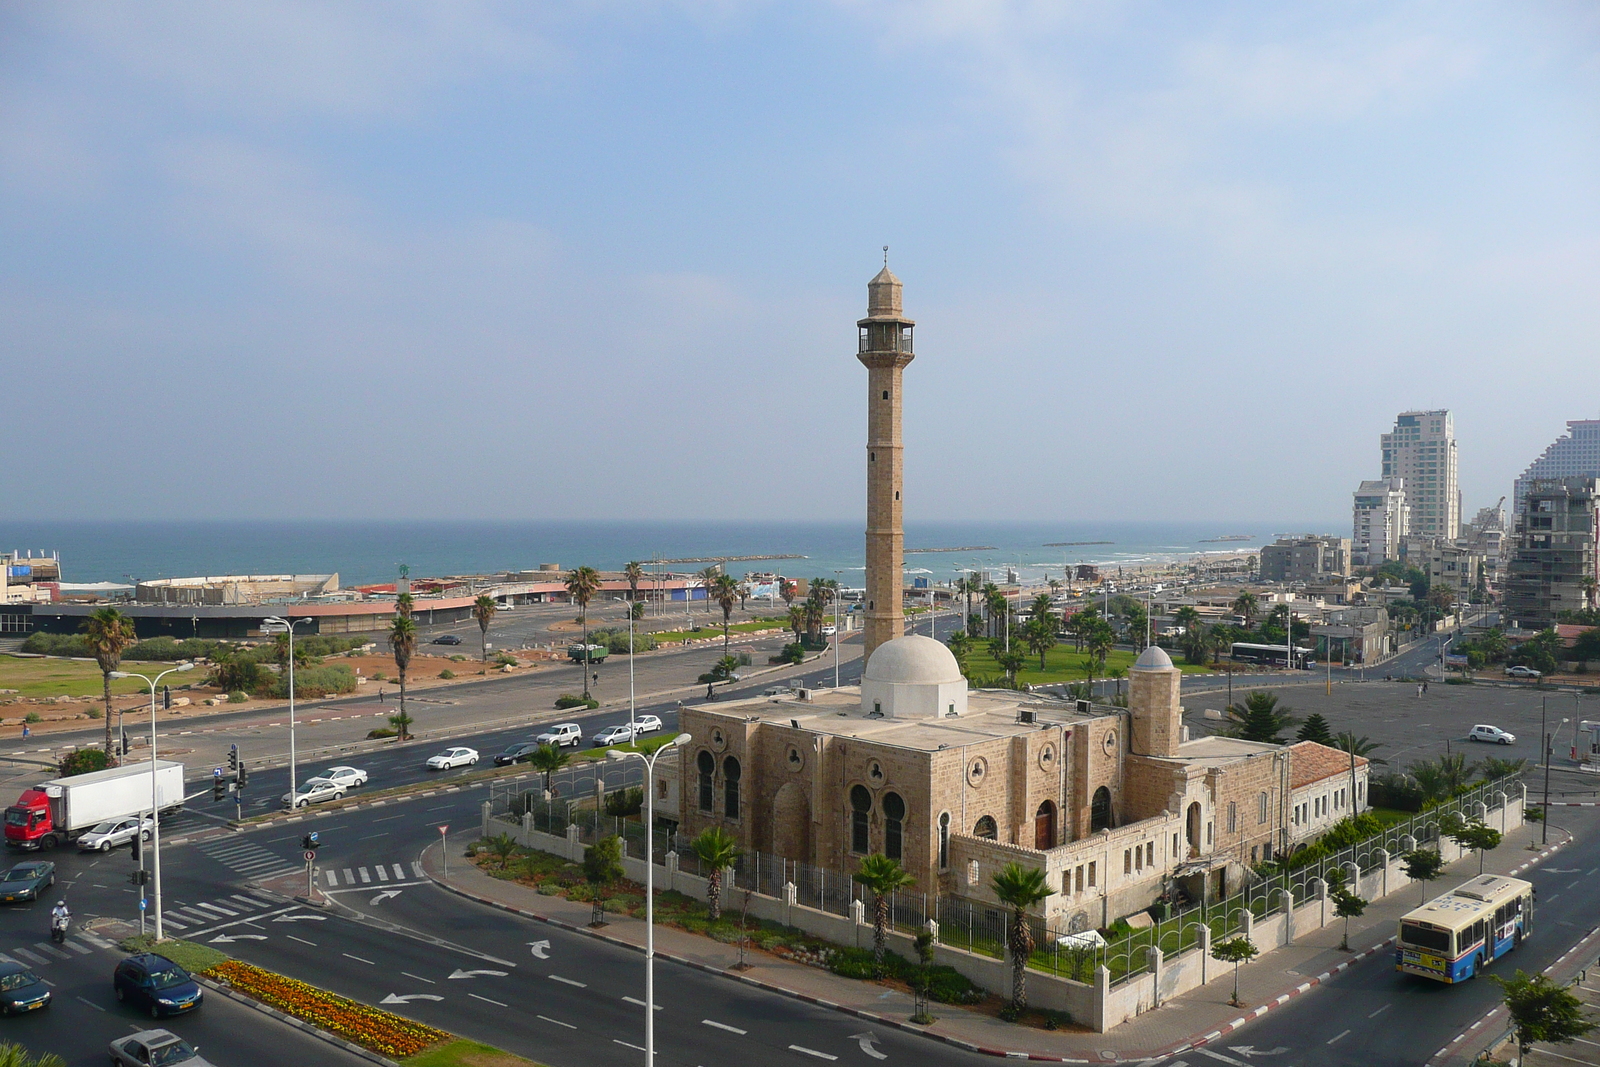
(604, 259)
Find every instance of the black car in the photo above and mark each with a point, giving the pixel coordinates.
(156, 984)
(520, 752)
(21, 990)
(447, 639)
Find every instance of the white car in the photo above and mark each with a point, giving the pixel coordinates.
(613, 735)
(113, 832)
(314, 791)
(646, 724)
(453, 757)
(349, 777)
(156, 1048)
(1519, 671)
(1492, 734)
(561, 735)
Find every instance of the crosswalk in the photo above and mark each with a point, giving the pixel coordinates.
(182, 917)
(375, 874)
(246, 857)
(44, 953)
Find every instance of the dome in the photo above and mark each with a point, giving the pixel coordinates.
(1153, 658)
(914, 659)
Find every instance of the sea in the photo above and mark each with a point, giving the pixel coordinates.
(373, 551)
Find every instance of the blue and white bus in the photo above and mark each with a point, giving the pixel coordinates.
(1453, 937)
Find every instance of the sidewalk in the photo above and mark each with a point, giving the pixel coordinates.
(1195, 1019)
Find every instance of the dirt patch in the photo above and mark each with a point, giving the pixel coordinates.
(566, 626)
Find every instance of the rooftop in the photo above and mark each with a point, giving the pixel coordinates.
(1312, 762)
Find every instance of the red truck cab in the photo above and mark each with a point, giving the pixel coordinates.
(28, 821)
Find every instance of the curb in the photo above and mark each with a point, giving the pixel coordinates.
(299, 1024)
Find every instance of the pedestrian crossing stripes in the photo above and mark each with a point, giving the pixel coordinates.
(181, 917)
(246, 858)
(43, 953)
(374, 875)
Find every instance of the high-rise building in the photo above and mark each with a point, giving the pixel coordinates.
(1553, 568)
(884, 346)
(1422, 450)
(1382, 518)
(1575, 454)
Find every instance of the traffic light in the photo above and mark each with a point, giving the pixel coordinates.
(139, 877)
(166, 697)
(219, 786)
(138, 849)
(310, 843)
(243, 777)
(233, 759)
(125, 745)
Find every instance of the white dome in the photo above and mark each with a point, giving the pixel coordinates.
(1153, 658)
(913, 659)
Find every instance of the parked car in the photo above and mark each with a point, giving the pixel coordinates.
(113, 832)
(349, 777)
(26, 881)
(446, 639)
(156, 984)
(1519, 671)
(1492, 734)
(829, 630)
(620, 734)
(776, 691)
(451, 758)
(646, 724)
(21, 990)
(314, 791)
(561, 734)
(520, 752)
(156, 1048)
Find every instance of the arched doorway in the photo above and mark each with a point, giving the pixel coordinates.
(1044, 826)
(1100, 810)
(1193, 828)
(860, 809)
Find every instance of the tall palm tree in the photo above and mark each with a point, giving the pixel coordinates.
(403, 640)
(633, 570)
(1019, 888)
(1186, 617)
(1358, 746)
(1246, 604)
(717, 851)
(725, 591)
(483, 610)
(17, 1056)
(404, 604)
(108, 633)
(547, 760)
(882, 876)
(797, 619)
(787, 591)
(708, 578)
(582, 584)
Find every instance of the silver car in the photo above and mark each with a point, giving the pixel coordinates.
(156, 1048)
(314, 791)
(113, 832)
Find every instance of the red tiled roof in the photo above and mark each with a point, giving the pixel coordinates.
(1569, 631)
(1311, 762)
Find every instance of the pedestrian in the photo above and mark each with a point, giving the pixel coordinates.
(1419, 690)
(26, 733)
(1424, 687)
(380, 694)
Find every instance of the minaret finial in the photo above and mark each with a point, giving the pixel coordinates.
(885, 255)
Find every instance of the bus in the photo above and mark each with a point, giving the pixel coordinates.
(1272, 654)
(1453, 937)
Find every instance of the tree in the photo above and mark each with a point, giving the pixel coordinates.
(1422, 865)
(402, 725)
(547, 760)
(787, 591)
(797, 619)
(1542, 1011)
(582, 584)
(1347, 906)
(724, 590)
(1009, 659)
(281, 653)
(1019, 888)
(403, 641)
(1493, 768)
(633, 570)
(1040, 635)
(16, 1056)
(1542, 652)
(1431, 781)
(960, 643)
(1457, 772)
(1479, 837)
(1358, 746)
(1259, 718)
(1587, 647)
(1246, 605)
(1236, 951)
(1117, 674)
(708, 577)
(1186, 617)
(717, 850)
(1099, 642)
(483, 610)
(108, 633)
(501, 846)
(83, 761)
(602, 865)
(1135, 619)
(1315, 728)
(405, 604)
(882, 876)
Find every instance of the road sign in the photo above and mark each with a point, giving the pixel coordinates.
(310, 855)
(443, 830)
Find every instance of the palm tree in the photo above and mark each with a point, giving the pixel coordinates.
(1101, 639)
(708, 578)
(403, 640)
(1019, 888)
(883, 876)
(1358, 746)
(633, 570)
(483, 610)
(1186, 617)
(405, 604)
(582, 584)
(17, 1056)
(1493, 768)
(797, 619)
(108, 633)
(1259, 718)
(717, 851)
(1246, 604)
(1221, 640)
(724, 590)
(787, 591)
(1431, 780)
(1040, 634)
(547, 760)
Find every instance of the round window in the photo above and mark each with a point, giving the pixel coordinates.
(875, 771)
(1110, 743)
(718, 741)
(977, 770)
(1047, 757)
(796, 760)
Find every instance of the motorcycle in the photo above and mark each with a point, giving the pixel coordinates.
(58, 928)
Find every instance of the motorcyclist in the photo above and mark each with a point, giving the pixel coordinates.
(59, 915)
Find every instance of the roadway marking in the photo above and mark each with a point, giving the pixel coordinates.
(1574, 883)
(302, 940)
(723, 1026)
(546, 1018)
(1336, 1037)
(365, 877)
(358, 959)
(369, 837)
(1220, 1056)
(635, 1000)
(812, 1052)
(641, 1048)
(92, 1004)
(1380, 1011)
(486, 1000)
(567, 981)
(419, 978)
(390, 818)
(349, 876)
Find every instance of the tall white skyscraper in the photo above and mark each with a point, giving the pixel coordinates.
(1575, 454)
(1382, 520)
(1422, 450)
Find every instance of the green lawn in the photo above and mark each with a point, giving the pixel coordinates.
(1061, 664)
(464, 1053)
(77, 678)
(714, 629)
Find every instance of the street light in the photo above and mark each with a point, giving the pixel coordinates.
(282, 625)
(632, 726)
(155, 804)
(649, 887)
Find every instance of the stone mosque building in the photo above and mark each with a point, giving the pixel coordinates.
(1115, 805)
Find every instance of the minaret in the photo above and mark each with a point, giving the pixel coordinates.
(885, 347)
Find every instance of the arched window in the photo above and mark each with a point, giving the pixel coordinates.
(944, 840)
(986, 828)
(707, 765)
(1261, 809)
(730, 787)
(860, 808)
(894, 813)
(1100, 810)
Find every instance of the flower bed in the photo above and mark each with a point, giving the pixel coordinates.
(372, 1028)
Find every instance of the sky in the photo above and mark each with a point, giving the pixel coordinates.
(1168, 260)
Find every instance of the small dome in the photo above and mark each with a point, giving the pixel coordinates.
(883, 296)
(915, 659)
(1153, 658)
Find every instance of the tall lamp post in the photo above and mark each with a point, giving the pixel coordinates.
(632, 726)
(282, 625)
(155, 803)
(649, 887)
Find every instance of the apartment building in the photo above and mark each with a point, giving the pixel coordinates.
(1421, 449)
(1553, 567)
(1382, 518)
(1309, 558)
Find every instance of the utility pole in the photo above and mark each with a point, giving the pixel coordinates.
(1544, 823)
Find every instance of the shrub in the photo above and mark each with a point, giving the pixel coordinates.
(237, 697)
(458, 658)
(237, 673)
(57, 645)
(567, 700)
(33, 716)
(379, 732)
(616, 640)
(169, 649)
(93, 712)
(447, 674)
(505, 659)
(84, 761)
(794, 652)
(624, 802)
(313, 682)
(379, 676)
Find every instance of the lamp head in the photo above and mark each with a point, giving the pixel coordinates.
(185, 666)
(681, 739)
(120, 674)
(616, 756)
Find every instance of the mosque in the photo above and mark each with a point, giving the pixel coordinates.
(1116, 805)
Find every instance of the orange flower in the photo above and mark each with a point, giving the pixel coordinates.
(371, 1028)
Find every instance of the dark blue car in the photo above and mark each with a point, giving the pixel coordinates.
(21, 990)
(156, 984)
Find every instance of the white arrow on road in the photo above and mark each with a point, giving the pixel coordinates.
(865, 1040)
(1251, 1050)
(473, 974)
(297, 918)
(1560, 870)
(224, 939)
(383, 896)
(539, 948)
(407, 998)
